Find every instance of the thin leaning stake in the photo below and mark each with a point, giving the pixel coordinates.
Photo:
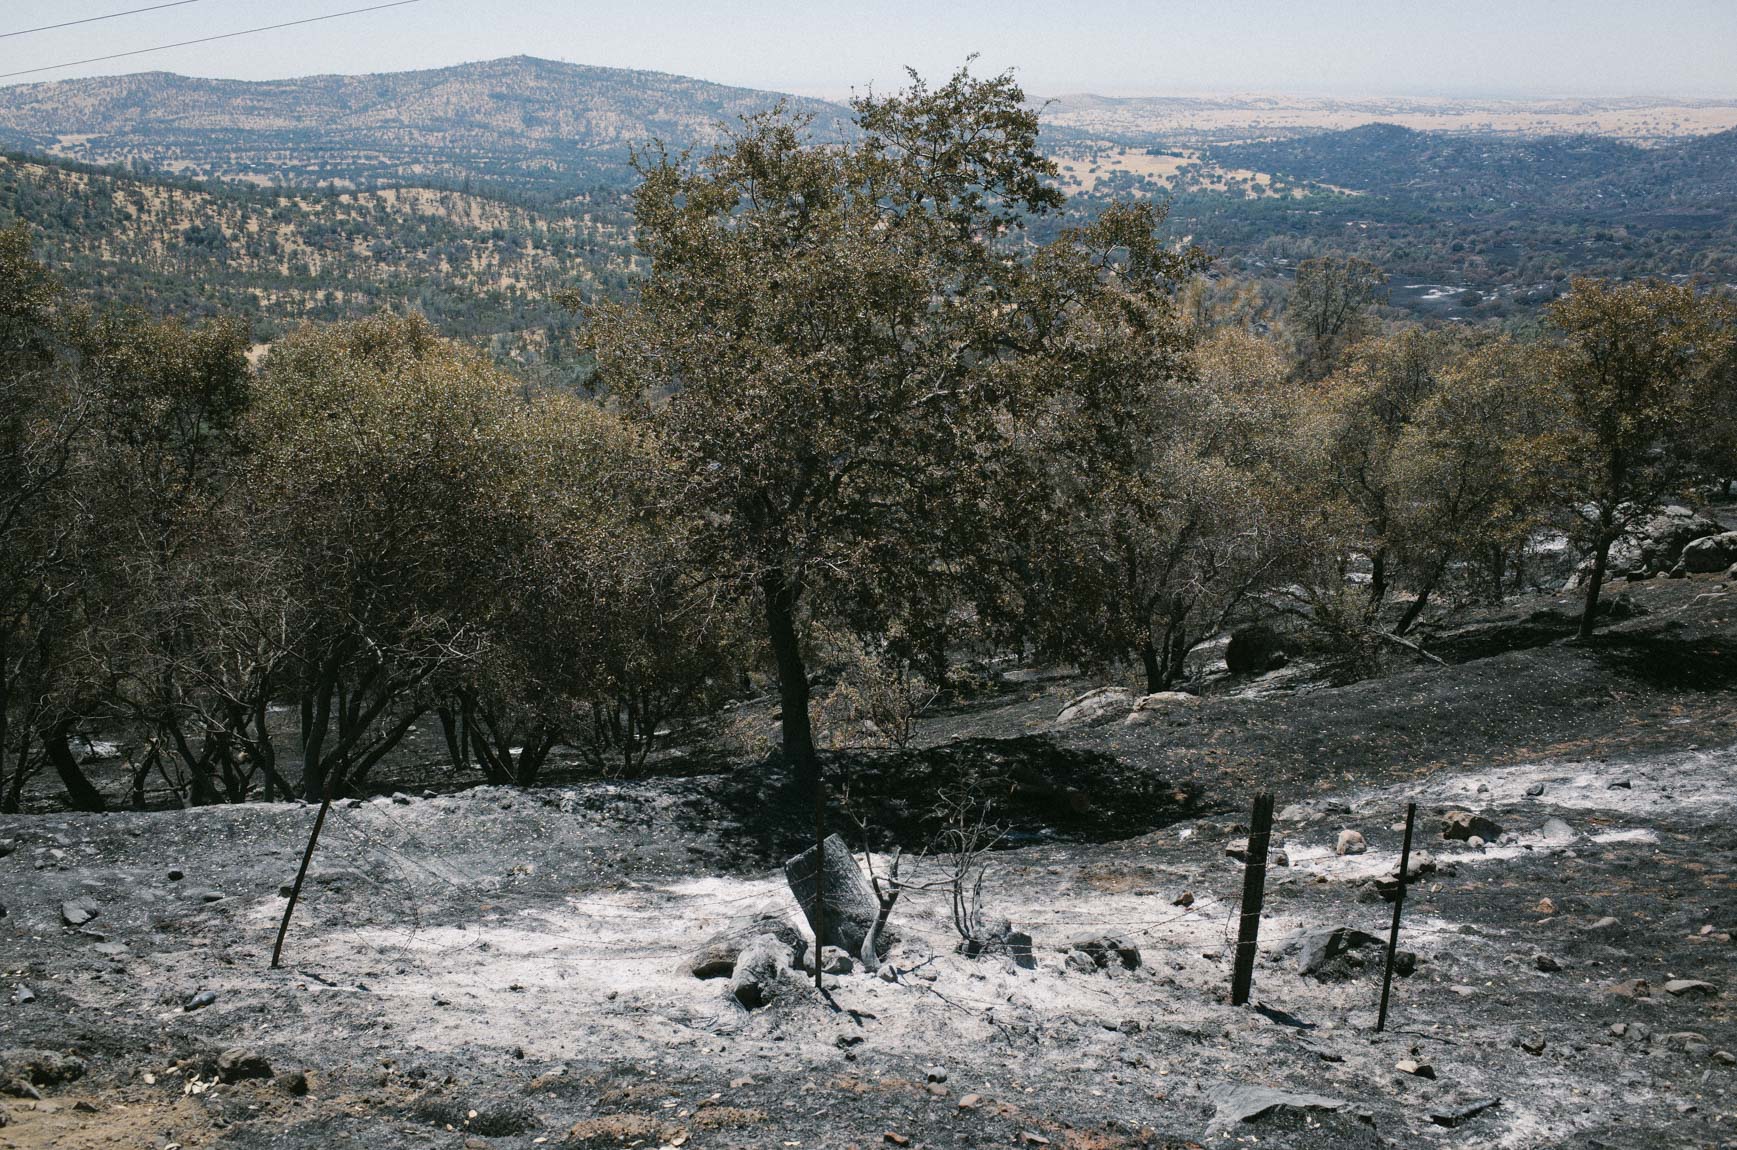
(1254, 883)
(1398, 903)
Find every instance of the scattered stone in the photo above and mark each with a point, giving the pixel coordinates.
(1103, 951)
(77, 912)
(295, 1082)
(200, 1000)
(1691, 987)
(970, 1102)
(1546, 964)
(1405, 963)
(1452, 1118)
(1620, 785)
(1535, 790)
(1725, 1058)
(7, 846)
(211, 896)
(936, 1074)
(1245, 1103)
(1632, 988)
(1618, 1029)
(242, 1062)
(1186, 898)
(1150, 708)
(717, 958)
(1533, 1045)
(1546, 906)
(1415, 1068)
(832, 960)
(176, 876)
(1556, 831)
(1279, 858)
(760, 971)
(1317, 949)
(1350, 843)
(1604, 923)
(1463, 825)
(896, 1138)
(22, 994)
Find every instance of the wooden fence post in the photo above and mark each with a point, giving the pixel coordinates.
(1398, 905)
(1254, 883)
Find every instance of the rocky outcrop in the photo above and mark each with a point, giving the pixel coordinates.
(1711, 553)
(1095, 707)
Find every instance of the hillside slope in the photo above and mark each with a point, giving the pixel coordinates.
(535, 127)
(479, 267)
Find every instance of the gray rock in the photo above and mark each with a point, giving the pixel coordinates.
(1546, 964)
(1350, 843)
(22, 994)
(717, 957)
(1462, 1114)
(239, 1062)
(1095, 707)
(760, 971)
(1535, 790)
(77, 912)
(200, 1000)
(1319, 948)
(1556, 831)
(1463, 825)
(1245, 1103)
(1711, 553)
(1105, 951)
(1691, 988)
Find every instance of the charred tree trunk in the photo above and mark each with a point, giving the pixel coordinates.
(1595, 583)
(794, 726)
(79, 790)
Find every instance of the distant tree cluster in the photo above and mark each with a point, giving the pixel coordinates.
(861, 423)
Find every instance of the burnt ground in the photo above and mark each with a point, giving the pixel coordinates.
(503, 968)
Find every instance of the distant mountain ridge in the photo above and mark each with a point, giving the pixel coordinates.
(520, 124)
(1572, 173)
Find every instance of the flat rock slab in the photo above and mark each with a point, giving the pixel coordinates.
(1244, 1103)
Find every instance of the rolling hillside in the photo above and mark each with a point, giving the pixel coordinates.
(481, 268)
(534, 128)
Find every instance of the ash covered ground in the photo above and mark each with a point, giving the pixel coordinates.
(511, 968)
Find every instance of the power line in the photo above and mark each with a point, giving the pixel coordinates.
(208, 39)
(95, 19)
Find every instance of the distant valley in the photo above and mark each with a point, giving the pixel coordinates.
(473, 192)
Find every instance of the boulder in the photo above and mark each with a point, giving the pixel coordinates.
(760, 971)
(1245, 1103)
(1254, 651)
(239, 1062)
(1095, 707)
(1665, 536)
(717, 957)
(1712, 553)
(1350, 843)
(1150, 708)
(77, 912)
(1463, 825)
(1317, 949)
(1691, 987)
(851, 907)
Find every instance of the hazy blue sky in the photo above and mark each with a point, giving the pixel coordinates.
(1452, 47)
